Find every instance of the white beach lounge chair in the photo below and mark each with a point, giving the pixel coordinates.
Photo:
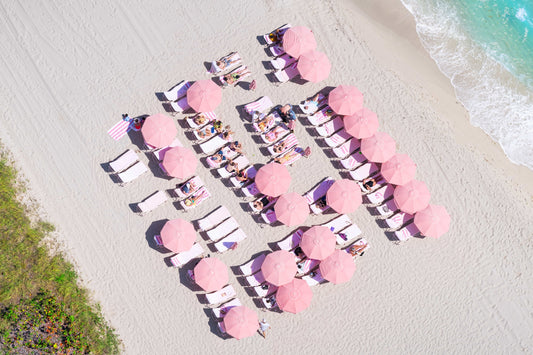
(337, 138)
(380, 182)
(227, 152)
(377, 197)
(275, 134)
(180, 105)
(223, 229)
(270, 302)
(235, 59)
(276, 50)
(281, 30)
(338, 223)
(348, 234)
(194, 184)
(159, 154)
(306, 265)
(260, 105)
(311, 109)
(199, 196)
(314, 278)
(221, 296)
(282, 61)
(406, 232)
(398, 220)
(241, 162)
(347, 148)
(214, 144)
(152, 202)
(325, 114)
(387, 209)
(364, 171)
(236, 236)
(250, 190)
(269, 216)
(184, 257)
(124, 161)
(316, 210)
(255, 279)
(268, 205)
(132, 173)
(330, 127)
(207, 128)
(319, 190)
(266, 123)
(177, 91)
(253, 266)
(210, 117)
(286, 74)
(265, 290)
(250, 171)
(361, 246)
(290, 141)
(291, 241)
(214, 218)
(221, 311)
(353, 161)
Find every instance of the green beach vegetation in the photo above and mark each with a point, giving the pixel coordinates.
(42, 307)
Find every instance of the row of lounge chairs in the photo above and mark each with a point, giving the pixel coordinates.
(221, 229)
(284, 65)
(127, 167)
(347, 148)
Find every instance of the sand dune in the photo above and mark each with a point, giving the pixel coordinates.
(70, 71)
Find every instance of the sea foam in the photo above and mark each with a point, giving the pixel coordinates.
(499, 101)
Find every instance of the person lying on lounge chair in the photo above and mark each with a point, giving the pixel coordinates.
(291, 154)
(321, 202)
(224, 62)
(261, 203)
(312, 103)
(287, 113)
(369, 183)
(218, 157)
(231, 78)
(266, 122)
(274, 134)
(241, 176)
(280, 147)
(200, 119)
(277, 35)
(228, 133)
(191, 201)
(209, 131)
(236, 147)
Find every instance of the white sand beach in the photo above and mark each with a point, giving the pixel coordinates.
(70, 70)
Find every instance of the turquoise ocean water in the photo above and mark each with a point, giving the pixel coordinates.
(485, 47)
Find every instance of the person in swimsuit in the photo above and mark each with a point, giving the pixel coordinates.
(369, 183)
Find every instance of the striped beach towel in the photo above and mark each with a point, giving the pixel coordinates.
(260, 105)
(119, 129)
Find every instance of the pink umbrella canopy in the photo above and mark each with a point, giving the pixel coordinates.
(362, 124)
(345, 100)
(344, 196)
(204, 96)
(338, 267)
(294, 296)
(314, 66)
(298, 40)
(273, 179)
(378, 148)
(211, 274)
(180, 162)
(159, 130)
(241, 322)
(433, 221)
(412, 197)
(279, 267)
(318, 242)
(399, 169)
(291, 209)
(178, 235)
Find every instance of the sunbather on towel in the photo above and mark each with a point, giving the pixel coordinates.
(357, 249)
(191, 201)
(224, 62)
(231, 78)
(280, 147)
(241, 176)
(265, 122)
(321, 202)
(274, 134)
(209, 131)
(218, 157)
(287, 113)
(291, 154)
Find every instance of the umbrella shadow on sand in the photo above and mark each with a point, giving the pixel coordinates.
(153, 230)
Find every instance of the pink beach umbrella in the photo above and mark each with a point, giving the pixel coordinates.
(318, 242)
(180, 162)
(362, 124)
(298, 40)
(241, 322)
(314, 66)
(344, 196)
(412, 197)
(378, 148)
(279, 267)
(273, 179)
(338, 267)
(294, 296)
(178, 235)
(204, 96)
(399, 169)
(345, 100)
(433, 221)
(291, 209)
(211, 274)
(159, 130)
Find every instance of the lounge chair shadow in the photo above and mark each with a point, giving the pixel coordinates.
(261, 40)
(272, 78)
(183, 124)
(107, 167)
(154, 229)
(156, 170)
(207, 66)
(245, 85)
(391, 236)
(374, 213)
(245, 207)
(213, 327)
(160, 96)
(115, 179)
(190, 136)
(178, 206)
(268, 52)
(268, 65)
(298, 80)
(337, 165)
(329, 153)
(135, 208)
